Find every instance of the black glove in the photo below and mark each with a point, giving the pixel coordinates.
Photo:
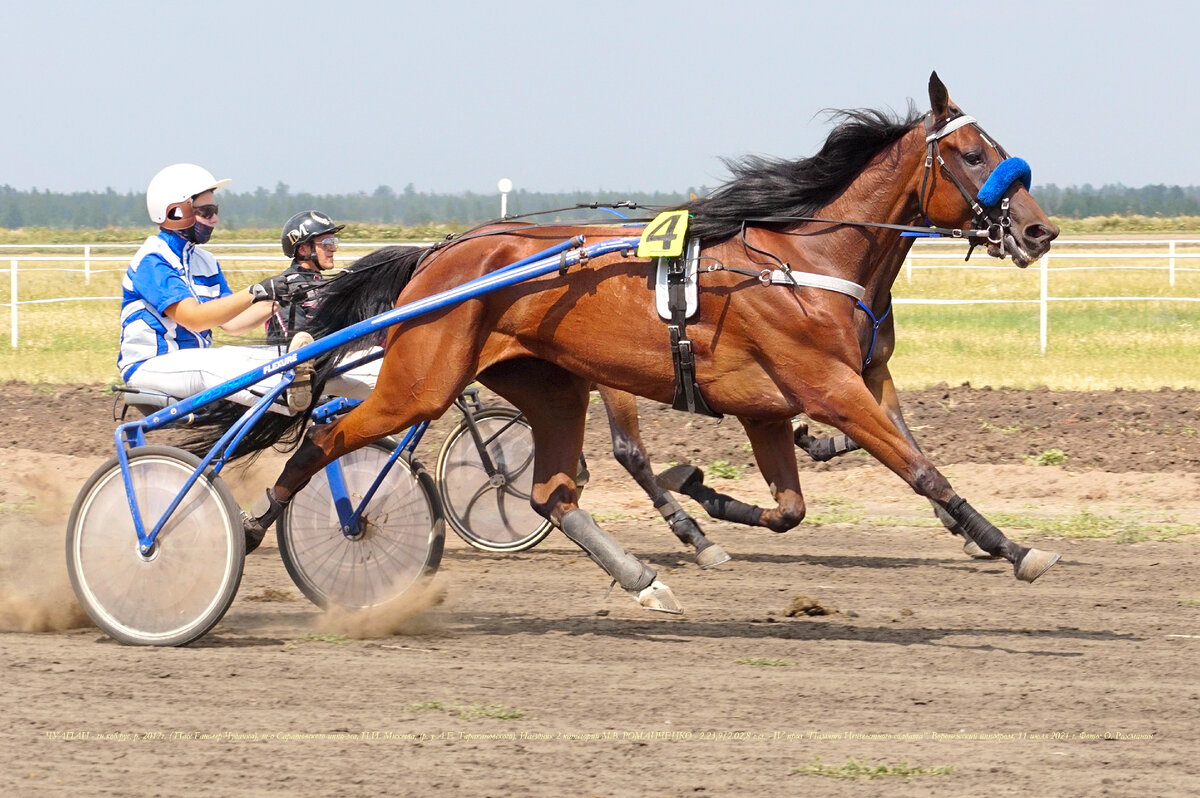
(275, 289)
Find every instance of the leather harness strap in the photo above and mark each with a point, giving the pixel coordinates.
(687, 392)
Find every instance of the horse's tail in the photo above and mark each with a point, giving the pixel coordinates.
(366, 288)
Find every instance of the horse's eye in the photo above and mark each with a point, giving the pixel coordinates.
(973, 157)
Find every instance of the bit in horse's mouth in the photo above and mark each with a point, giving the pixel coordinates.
(1021, 258)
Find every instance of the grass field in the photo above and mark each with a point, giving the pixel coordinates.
(1094, 344)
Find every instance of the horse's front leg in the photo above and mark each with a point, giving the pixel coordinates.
(630, 452)
(881, 385)
(847, 404)
(878, 379)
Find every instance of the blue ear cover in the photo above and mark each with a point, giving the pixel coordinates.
(1003, 176)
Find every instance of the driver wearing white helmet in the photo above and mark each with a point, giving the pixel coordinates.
(174, 293)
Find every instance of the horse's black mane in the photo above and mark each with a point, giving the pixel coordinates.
(771, 187)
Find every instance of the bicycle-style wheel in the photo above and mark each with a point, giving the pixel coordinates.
(491, 511)
(184, 586)
(401, 540)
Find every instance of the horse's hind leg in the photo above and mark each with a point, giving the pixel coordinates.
(771, 441)
(847, 404)
(630, 452)
(378, 416)
(555, 403)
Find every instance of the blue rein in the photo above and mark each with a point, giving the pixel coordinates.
(875, 322)
(1004, 175)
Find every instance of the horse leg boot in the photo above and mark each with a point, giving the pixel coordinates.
(555, 403)
(846, 404)
(638, 579)
(684, 527)
(822, 449)
(689, 480)
(630, 452)
(1028, 564)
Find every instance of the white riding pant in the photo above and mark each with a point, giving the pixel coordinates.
(186, 372)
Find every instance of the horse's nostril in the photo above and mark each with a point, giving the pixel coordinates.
(1040, 233)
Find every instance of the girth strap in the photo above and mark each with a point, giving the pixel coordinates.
(687, 392)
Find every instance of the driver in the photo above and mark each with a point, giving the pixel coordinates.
(174, 293)
(310, 239)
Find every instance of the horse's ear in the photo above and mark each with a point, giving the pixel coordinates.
(939, 98)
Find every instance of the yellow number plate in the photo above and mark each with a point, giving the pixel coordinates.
(663, 237)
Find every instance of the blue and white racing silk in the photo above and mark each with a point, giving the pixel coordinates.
(166, 270)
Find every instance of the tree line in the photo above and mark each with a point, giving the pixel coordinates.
(267, 209)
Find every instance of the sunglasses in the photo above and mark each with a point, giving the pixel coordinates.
(329, 243)
(205, 211)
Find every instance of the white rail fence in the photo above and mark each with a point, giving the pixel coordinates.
(1164, 256)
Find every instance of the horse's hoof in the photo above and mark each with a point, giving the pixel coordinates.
(711, 556)
(658, 597)
(1034, 564)
(680, 478)
(972, 550)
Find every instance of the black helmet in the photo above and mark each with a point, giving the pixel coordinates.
(305, 226)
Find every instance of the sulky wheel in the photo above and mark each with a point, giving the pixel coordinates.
(400, 538)
(184, 585)
(491, 511)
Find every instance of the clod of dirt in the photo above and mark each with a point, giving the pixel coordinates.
(803, 605)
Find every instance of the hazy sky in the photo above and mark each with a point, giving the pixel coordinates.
(449, 96)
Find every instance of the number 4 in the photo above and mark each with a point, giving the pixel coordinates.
(664, 235)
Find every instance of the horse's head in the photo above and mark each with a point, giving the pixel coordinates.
(969, 180)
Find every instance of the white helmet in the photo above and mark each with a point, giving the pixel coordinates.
(169, 195)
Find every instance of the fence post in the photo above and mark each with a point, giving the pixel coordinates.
(1171, 262)
(12, 296)
(1043, 304)
(87, 264)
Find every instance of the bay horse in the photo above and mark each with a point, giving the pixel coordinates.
(763, 351)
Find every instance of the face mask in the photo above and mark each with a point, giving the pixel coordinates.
(199, 234)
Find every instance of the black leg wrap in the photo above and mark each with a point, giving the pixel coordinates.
(630, 572)
(822, 449)
(726, 508)
(980, 530)
(688, 531)
(256, 527)
(947, 521)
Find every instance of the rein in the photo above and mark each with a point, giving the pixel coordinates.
(987, 228)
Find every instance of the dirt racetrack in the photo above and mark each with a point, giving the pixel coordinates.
(862, 643)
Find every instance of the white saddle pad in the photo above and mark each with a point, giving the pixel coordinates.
(691, 260)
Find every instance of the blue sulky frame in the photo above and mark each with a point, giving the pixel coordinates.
(556, 258)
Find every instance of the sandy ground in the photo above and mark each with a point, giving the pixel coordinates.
(518, 676)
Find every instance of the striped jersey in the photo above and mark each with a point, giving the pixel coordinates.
(166, 270)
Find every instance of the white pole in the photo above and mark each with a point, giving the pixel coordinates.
(504, 185)
(1044, 305)
(87, 264)
(1171, 263)
(12, 293)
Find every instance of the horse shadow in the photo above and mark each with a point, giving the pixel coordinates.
(681, 632)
